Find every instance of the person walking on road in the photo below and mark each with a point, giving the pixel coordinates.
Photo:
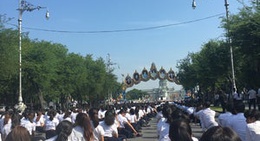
(252, 98)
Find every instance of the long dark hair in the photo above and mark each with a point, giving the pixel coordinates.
(83, 121)
(63, 130)
(180, 130)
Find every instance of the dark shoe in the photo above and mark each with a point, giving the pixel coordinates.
(138, 135)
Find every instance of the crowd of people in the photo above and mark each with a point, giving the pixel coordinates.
(235, 124)
(121, 122)
(107, 123)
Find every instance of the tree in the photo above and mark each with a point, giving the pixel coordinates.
(245, 35)
(135, 94)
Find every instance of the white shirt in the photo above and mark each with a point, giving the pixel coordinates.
(207, 118)
(127, 115)
(98, 132)
(5, 129)
(252, 94)
(159, 124)
(253, 131)
(238, 124)
(122, 120)
(132, 118)
(40, 122)
(101, 114)
(223, 118)
(159, 116)
(30, 126)
(164, 132)
(51, 125)
(77, 134)
(109, 130)
(236, 97)
(73, 117)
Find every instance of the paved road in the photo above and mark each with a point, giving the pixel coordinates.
(149, 133)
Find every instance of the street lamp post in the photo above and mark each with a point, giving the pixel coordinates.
(228, 41)
(23, 6)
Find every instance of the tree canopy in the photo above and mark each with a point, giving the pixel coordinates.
(51, 73)
(210, 68)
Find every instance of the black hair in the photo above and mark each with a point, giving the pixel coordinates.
(218, 133)
(180, 130)
(109, 117)
(63, 130)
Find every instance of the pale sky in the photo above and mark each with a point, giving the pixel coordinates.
(135, 33)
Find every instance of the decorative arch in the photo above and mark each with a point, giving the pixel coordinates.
(152, 74)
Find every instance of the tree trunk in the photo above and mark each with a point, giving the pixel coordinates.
(42, 101)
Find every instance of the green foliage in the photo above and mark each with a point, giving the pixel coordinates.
(50, 73)
(135, 94)
(210, 69)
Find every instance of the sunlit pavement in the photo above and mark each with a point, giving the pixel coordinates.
(150, 134)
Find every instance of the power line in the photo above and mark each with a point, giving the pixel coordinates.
(121, 30)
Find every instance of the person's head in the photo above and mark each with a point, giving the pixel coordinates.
(67, 113)
(18, 133)
(109, 117)
(180, 130)
(166, 111)
(230, 107)
(132, 111)
(51, 114)
(93, 114)
(252, 115)
(31, 115)
(239, 107)
(206, 104)
(63, 130)
(122, 112)
(178, 114)
(218, 133)
(83, 121)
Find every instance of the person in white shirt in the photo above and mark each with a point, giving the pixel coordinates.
(125, 126)
(252, 98)
(74, 114)
(66, 116)
(237, 122)
(109, 126)
(83, 130)
(253, 125)
(224, 117)
(159, 113)
(39, 121)
(133, 120)
(5, 124)
(98, 129)
(50, 124)
(237, 96)
(101, 112)
(29, 124)
(163, 125)
(207, 117)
